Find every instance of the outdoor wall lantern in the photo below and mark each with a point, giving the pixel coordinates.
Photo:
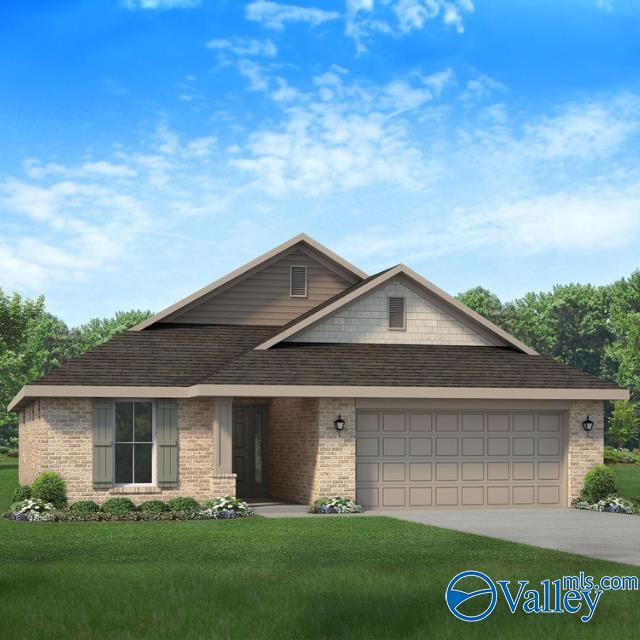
(587, 425)
(339, 422)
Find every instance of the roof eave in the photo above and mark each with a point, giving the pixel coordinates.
(30, 392)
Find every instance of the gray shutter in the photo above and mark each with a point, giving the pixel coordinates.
(103, 424)
(167, 443)
(298, 282)
(396, 313)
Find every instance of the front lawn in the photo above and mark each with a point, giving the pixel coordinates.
(628, 477)
(326, 577)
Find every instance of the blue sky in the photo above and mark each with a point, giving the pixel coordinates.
(150, 146)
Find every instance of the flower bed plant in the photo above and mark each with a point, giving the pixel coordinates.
(620, 456)
(124, 510)
(611, 504)
(225, 508)
(31, 510)
(337, 504)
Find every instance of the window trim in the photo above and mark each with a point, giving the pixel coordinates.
(154, 445)
(404, 314)
(306, 281)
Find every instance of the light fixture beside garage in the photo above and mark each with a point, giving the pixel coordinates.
(587, 425)
(339, 424)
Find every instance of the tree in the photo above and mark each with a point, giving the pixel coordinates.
(484, 302)
(624, 425)
(33, 342)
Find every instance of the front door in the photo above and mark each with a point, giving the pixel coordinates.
(249, 450)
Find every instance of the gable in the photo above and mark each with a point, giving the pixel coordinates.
(262, 296)
(428, 321)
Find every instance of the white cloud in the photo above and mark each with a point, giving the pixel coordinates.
(605, 5)
(481, 88)
(108, 169)
(161, 4)
(245, 46)
(274, 15)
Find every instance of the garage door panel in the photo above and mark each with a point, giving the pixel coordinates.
(523, 471)
(367, 472)
(446, 471)
(446, 446)
(394, 472)
(394, 497)
(393, 447)
(420, 446)
(393, 422)
(420, 422)
(420, 471)
(472, 446)
(447, 459)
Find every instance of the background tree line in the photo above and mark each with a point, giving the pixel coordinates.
(596, 329)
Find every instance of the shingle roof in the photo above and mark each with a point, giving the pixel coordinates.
(397, 365)
(184, 355)
(163, 355)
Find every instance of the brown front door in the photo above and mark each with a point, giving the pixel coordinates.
(249, 450)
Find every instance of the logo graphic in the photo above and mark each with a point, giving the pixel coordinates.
(457, 596)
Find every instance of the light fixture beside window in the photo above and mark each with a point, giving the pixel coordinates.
(397, 316)
(298, 282)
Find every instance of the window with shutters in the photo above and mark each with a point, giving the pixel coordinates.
(298, 282)
(133, 442)
(397, 318)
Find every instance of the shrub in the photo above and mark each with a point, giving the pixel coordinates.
(182, 504)
(620, 456)
(336, 504)
(84, 506)
(599, 483)
(31, 510)
(50, 487)
(612, 504)
(23, 492)
(4, 450)
(118, 506)
(154, 507)
(225, 508)
(13, 453)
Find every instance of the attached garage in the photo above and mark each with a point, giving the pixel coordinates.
(485, 458)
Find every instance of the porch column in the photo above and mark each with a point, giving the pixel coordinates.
(222, 443)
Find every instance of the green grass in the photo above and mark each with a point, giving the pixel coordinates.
(628, 477)
(327, 577)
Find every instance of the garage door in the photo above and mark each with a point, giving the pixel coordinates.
(412, 459)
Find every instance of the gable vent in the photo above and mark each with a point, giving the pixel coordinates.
(396, 313)
(298, 282)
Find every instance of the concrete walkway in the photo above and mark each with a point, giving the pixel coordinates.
(609, 536)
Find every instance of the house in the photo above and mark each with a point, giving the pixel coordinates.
(299, 376)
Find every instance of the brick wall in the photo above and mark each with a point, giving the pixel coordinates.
(292, 443)
(366, 321)
(59, 439)
(584, 449)
(307, 457)
(336, 462)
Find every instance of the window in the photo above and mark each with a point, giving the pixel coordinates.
(396, 313)
(133, 445)
(298, 282)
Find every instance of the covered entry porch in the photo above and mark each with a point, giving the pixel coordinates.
(286, 448)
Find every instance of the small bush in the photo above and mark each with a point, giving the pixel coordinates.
(154, 506)
(4, 450)
(23, 492)
(337, 504)
(118, 506)
(31, 511)
(84, 506)
(50, 487)
(620, 456)
(13, 453)
(225, 508)
(182, 504)
(611, 504)
(599, 483)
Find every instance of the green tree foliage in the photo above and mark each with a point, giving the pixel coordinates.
(596, 329)
(624, 424)
(33, 342)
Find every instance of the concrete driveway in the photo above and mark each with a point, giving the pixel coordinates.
(610, 536)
